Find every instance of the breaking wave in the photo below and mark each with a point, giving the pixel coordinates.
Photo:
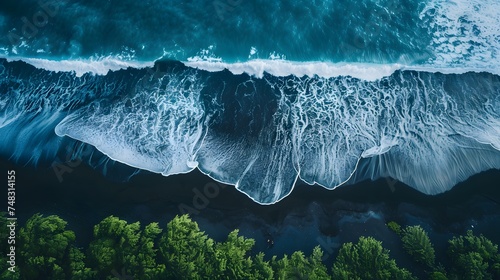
(261, 133)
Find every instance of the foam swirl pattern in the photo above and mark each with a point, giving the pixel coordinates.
(428, 130)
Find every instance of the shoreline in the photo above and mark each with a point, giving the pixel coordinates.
(309, 216)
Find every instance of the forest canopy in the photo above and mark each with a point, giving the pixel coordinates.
(121, 250)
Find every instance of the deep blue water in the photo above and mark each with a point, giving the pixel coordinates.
(256, 94)
(366, 31)
(437, 32)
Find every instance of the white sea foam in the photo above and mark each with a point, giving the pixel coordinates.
(425, 130)
(98, 66)
(413, 127)
(466, 33)
(364, 71)
(256, 67)
(282, 68)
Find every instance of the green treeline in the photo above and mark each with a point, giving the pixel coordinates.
(45, 249)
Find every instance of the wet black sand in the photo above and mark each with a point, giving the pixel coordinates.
(309, 216)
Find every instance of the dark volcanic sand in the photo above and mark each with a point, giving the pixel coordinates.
(309, 216)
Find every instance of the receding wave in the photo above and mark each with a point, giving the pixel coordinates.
(428, 130)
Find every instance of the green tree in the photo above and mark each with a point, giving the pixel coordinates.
(366, 259)
(232, 257)
(437, 275)
(473, 257)
(319, 270)
(78, 267)
(280, 267)
(416, 242)
(297, 266)
(147, 253)
(471, 243)
(119, 246)
(187, 252)
(496, 268)
(47, 250)
(473, 266)
(300, 267)
(261, 269)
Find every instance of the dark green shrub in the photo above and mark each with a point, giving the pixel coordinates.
(232, 257)
(394, 227)
(300, 267)
(471, 243)
(279, 267)
(261, 269)
(437, 275)
(495, 269)
(416, 242)
(119, 247)
(367, 259)
(319, 270)
(47, 250)
(187, 252)
(473, 266)
(473, 257)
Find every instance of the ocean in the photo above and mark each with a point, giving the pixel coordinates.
(255, 94)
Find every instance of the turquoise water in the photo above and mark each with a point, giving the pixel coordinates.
(354, 31)
(387, 31)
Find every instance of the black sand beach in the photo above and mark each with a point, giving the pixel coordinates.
(309, 216)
